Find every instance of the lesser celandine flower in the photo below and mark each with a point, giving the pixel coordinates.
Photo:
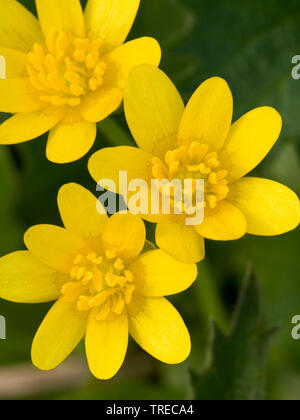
(199, 142)
(67, 70)
(106, 285)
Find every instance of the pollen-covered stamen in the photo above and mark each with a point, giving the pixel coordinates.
(196, 161)
(65, 69)
(101, 282)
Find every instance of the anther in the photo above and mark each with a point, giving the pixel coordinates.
(83, 303)
(212, 201)
(119, 265)
(213, 178)
(110, 254)
(111, 279)
(80, 272)
(79, 56)
(77, 260)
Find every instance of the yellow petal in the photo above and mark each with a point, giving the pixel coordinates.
(15, 62)
(106, 344)
(110, 20)
(123, 59)
(250, 140)
(29, 125)
(126, 234)
(159, 329)
(157, 274)
(17, 95)
(61, 15)
(78, 211)
(100, 104)
(70, 140)
(109, 162)
(225, 223)
(19, 29)
(208, 115)
(153, 108)
(59, 334)
(270, 208)
(25, 280)
(181, 242)
(54, 246)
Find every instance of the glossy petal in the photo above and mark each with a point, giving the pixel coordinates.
(19, 29)
(15, 62)
(110, 20)
(29, 125)
(270, 208)
(181, 242)
(109, 162)
(54, 246)
(208, 115)
(78, 210)
(159, 329)
(123, 59)
(225, 223)
(250, 140)
(26, 280)
(59, 334)
(100, 104)
(70, 140)
(125, 234)
(61, 15)
(17, 95)
(157, 274)
(153, 109)
(106, 344)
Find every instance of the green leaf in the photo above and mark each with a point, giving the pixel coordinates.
(251, 45)
(237, 370)
(209, 299)
(9, 181)
(285, 166)
(169, 21)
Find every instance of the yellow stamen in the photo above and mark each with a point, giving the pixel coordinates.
(119, 265)
(103, 312)
(65, 70)
(195, 161)
(99, 281)
(83, 303)
(110, 254)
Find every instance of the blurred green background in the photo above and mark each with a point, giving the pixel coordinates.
(250, 44)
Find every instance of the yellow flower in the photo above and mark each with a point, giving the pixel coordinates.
(66, 71)
(106, 285)
(199, 142)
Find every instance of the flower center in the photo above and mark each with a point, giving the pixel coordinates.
(196, 161)
(65, 69)
(99, 282)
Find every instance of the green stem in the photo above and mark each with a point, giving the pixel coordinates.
(209, 300)
(114, 133)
